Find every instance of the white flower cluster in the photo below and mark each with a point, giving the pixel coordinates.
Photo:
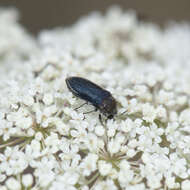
(45, 144)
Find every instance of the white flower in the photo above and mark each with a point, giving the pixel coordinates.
(27, 180)
(48, 99)
(44, 171)
(28, 100)
(104, 168)
(3, 187)
(126, 126)
(42, 136)
(66, 181)
(181, 100)
(50, 110)
(165, 97)
(52, 142)
(170, 181)
(24, 122)
(136, 187)
(149, 112)
(113, 146)
(13, 161)
(13, 184)
(99, 130)
(92, 142)
(89, 164)
(184, 117)
(125, 175)
(130, 153)
(2, 177)
(106, 185)
(154, 182)
(161, 112)
(185, 185)
(38, 136)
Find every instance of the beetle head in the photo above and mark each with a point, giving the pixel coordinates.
(108, 107)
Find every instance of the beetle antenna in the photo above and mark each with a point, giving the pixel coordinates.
(122, 113)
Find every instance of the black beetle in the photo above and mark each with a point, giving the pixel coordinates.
(94, 94)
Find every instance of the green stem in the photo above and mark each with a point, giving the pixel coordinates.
(93, 178)
(12, 142)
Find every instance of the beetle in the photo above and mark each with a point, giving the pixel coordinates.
(100, 98)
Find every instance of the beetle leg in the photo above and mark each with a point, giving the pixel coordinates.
(123, 113)
(81, 106)
(91, 111)
(100, 118)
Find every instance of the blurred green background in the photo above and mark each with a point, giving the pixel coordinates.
(40, 14)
